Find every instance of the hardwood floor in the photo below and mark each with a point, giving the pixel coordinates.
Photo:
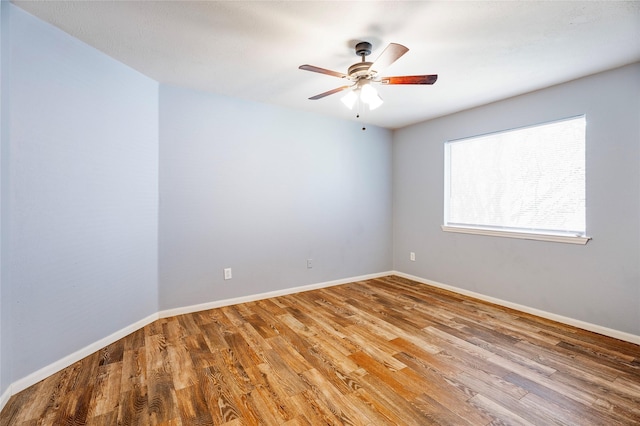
(377, 352)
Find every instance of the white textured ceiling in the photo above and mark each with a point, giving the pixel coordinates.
(483, 51)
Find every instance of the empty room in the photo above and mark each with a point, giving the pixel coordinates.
(319, 212)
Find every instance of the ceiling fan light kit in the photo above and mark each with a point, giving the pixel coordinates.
(363, 92)
(362, 74)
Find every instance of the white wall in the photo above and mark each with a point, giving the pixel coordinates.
(261, 189)
(82, 197)
(598, 283)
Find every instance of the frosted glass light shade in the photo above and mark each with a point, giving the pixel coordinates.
(370, 96)
(350, 99)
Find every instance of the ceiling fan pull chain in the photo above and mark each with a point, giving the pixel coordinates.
(360, 110)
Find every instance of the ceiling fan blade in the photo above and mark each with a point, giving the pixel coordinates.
(391, 53)
(330, 92)
(322, 71)
(410, 79)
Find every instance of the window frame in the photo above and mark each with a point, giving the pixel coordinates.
(519, 233)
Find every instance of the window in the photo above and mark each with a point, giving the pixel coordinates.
(523, 183)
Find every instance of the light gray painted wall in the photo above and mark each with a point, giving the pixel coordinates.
(261, 189)
(83, 195)
(4, 138)
(598, 283)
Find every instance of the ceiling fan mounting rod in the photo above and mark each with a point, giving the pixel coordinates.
(363, 49)
(361, 69)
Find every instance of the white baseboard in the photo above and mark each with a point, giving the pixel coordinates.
(621, 335)
(261, 296)
(43, 373)
(50, 369)
(4, 398)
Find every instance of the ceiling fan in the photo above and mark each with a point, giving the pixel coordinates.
(362, 74)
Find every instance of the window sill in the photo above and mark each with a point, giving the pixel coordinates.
(569, 239)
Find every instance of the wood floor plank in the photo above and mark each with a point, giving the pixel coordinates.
(498, 412)
(107, 390)
(444, 388)
(198, 350)
(347, 411)
(279, 369)
(112, 353)
(134, 369)
(386, 351)
(570, 403)
(315, 412)
(438, 413)
(132, 409)
(193, 407)
(219, 398)
(400, 410)
(295, 362)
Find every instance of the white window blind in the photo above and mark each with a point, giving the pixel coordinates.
(529, 180)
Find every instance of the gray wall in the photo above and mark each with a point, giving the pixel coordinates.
(598, 283)
(261, 189)
(4, 137)
(83, 195)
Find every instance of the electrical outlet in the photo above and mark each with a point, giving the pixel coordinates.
(309, 263)
(227, 273)
(412, 256)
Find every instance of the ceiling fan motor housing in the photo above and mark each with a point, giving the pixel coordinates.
(359, 70)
